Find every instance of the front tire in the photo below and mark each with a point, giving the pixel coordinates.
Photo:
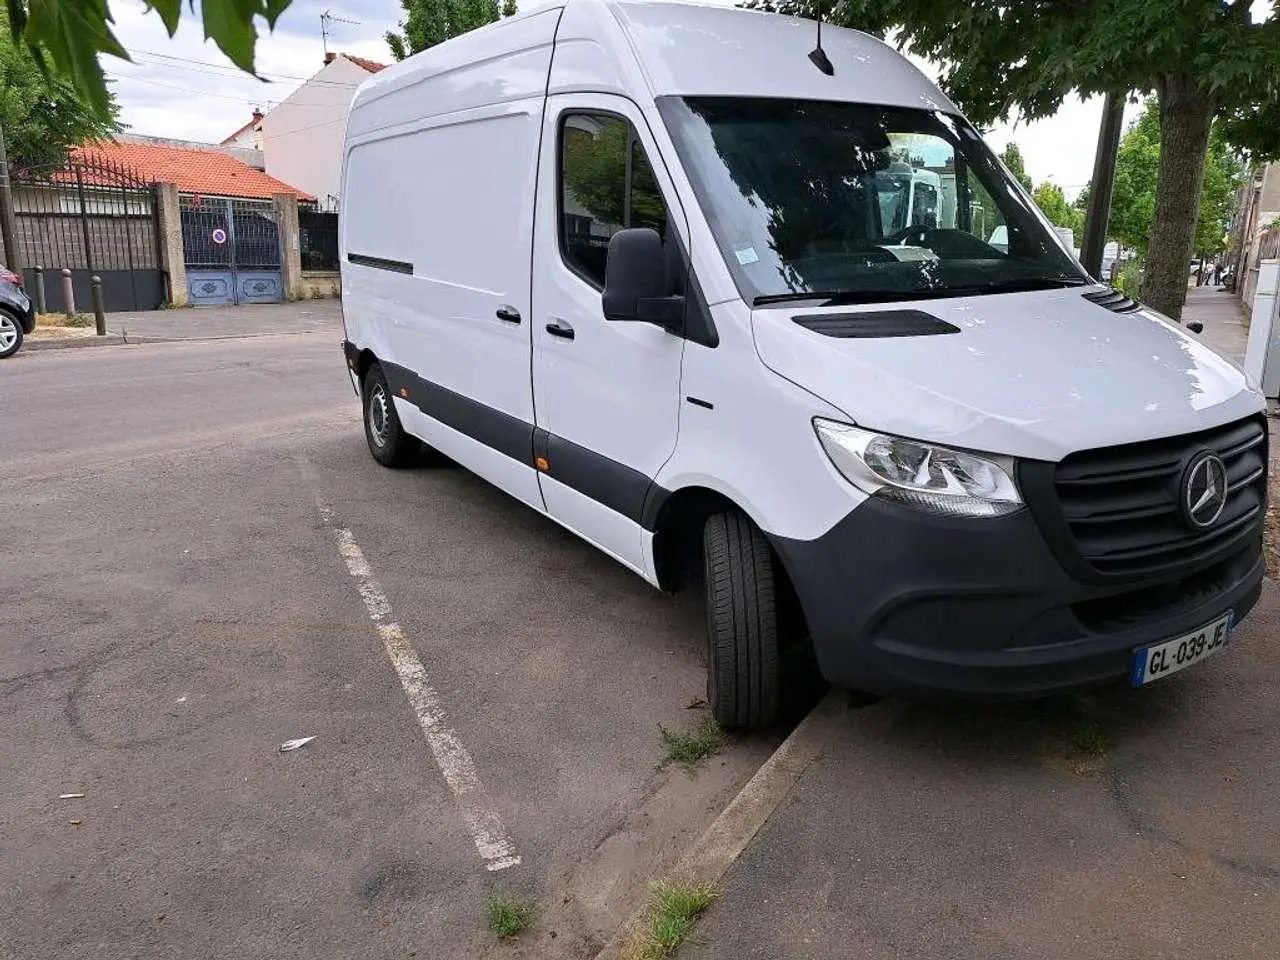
(742, 623)
(11, 334)
(387, 440)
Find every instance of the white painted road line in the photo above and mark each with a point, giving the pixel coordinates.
(455, 762)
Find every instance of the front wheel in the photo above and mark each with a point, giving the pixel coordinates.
(742, 623)
(10, 334)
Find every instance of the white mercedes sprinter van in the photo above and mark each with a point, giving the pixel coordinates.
(734, 319)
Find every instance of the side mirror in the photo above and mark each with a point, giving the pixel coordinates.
(635, 281)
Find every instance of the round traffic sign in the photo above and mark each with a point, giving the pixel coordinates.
(219, 236)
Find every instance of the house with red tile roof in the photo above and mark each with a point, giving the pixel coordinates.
(302, 136)
(196, 172)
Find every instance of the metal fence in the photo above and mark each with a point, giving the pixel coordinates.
(318, 238)
(91, 216)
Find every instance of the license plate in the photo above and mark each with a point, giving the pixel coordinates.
(1162, 659)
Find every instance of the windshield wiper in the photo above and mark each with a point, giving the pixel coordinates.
(836, 298)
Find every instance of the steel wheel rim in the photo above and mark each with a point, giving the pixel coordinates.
(8, 332)
(379, 426)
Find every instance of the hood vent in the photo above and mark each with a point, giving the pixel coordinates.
(871, 326)
(1112, 300)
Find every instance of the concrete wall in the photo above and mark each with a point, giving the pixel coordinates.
(319, 284)
(302, 137)
(1257, 208)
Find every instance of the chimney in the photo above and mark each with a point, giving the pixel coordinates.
(257, 116)
(329, 57)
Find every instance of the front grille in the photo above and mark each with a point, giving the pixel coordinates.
(1117, 508)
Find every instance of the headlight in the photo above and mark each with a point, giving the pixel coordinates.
(937, 479)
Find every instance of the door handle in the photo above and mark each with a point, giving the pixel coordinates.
(508, 313)
(559, 328)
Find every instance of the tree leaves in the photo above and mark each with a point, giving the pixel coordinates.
(429, 22)
(1012, 158)
(42, 113)
(1133, 206)
(73, 34)
(1053, 204)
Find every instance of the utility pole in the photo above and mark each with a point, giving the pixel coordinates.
(1103, 184)
(8, 226)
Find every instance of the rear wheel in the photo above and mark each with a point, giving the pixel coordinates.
(388, 442)
(10, 334)
(742, 623)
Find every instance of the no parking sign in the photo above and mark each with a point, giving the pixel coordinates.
(219, 236)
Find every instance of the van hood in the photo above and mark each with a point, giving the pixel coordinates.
(1036, 375)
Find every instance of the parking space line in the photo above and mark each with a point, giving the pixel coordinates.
(487, 830)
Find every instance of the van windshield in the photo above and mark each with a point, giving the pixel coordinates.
(859, 203)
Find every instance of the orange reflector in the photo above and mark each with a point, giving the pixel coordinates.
(404, 392)
(541, 463)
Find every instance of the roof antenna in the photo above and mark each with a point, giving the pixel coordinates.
(817, 55)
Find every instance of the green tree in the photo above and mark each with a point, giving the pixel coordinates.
(42, 114)
(1133, 206)
(1204, 59)
(428, 22)
(72, 34)
(1012, 158)
(1053, 204)
(595, 171)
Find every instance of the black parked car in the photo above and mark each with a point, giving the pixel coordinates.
(17, 312)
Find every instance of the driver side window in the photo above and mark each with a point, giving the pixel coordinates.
(606, 185)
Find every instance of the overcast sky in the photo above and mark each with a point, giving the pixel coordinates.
(186, 89)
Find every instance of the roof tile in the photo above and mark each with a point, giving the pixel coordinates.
(371, 65)
(205, 172)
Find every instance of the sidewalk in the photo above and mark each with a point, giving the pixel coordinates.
(1118, 824)
(207, 323)
(1223, 319)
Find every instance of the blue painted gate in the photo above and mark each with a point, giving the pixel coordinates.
(232, 251)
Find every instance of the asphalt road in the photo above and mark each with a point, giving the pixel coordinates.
(176, 603)
(1116, 825)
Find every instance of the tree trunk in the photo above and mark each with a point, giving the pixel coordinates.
(1186, 116)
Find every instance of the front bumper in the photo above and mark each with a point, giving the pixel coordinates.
(26, 310)
(906, 603)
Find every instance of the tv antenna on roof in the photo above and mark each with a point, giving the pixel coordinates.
(327, 20)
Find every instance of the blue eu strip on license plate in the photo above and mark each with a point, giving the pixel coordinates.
(1162, 659)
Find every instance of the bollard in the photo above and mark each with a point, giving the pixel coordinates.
(99, 311)
(68, 293)
(42, 304)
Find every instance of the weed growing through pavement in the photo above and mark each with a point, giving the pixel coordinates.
(687, 749)
(508, 917)
(673, 910)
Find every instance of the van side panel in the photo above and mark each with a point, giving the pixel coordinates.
(501, 62)
(437, 233)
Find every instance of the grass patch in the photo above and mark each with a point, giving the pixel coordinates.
(687, 749)
(507, 916)
(1090, 741)
(62, 320)
(673, 910)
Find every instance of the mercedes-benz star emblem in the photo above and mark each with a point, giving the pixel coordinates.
(1204, 491)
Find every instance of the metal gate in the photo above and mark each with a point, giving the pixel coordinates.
(91, 216)
(232, 250)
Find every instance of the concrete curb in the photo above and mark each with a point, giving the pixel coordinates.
(115, 339)
(109, 340)
(739, 822)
